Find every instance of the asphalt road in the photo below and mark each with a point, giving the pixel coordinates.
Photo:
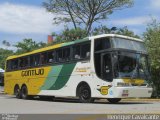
(9, 104)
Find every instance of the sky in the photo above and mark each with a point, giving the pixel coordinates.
(21, 19)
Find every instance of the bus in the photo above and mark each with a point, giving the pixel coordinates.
(107, 66)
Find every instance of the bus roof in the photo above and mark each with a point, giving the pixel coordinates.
(115, 35)
(72, 42)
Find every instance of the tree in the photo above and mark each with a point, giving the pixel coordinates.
(6, 43)
(3, 55)
(152, 40)
(69, 35)
(28, 45)
(84, 12)
(79, 33)
(121, 31)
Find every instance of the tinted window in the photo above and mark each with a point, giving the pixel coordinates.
(43, 58)
(102, 43)
(51, 57)
(85, 51)
(32, 62)
(76, 52)
(128, 44)
(81, 51)
(59, 55)
(35, 60)
(14, 64)
(23, 62)
(8, 65)
(66, 54)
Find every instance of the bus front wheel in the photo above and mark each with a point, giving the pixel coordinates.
(84, 94)
(24, 92)
(114, 100)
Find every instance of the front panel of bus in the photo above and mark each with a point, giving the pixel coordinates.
(123, 63)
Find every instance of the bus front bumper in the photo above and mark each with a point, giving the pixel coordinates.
(132, 92)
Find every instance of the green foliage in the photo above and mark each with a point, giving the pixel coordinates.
(125, 31)
(69, 35)
(28, 45)
(152, 40)
(3, 55)
(121, 31)
(84, 12)
(75, 34)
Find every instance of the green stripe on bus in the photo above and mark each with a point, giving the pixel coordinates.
(75, 42)
(52, 77)
(63, 76)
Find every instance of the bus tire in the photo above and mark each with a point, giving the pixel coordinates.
(114, 100)
(17, 92)
(24, 92)
(84, 93)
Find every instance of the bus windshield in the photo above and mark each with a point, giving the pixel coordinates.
(128, 44)
(131, 65)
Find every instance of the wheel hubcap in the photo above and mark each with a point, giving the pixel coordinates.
(85, 94)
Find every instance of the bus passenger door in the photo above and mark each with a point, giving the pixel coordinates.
(106, 67)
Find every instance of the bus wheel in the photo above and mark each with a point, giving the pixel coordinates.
(24, 92)
(84, 94)
(17, 92)
(114, 100)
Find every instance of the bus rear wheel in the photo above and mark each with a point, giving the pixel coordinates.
(24, 92)
(84, 94)
(114, 100)
(17, 92)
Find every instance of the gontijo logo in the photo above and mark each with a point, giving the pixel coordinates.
(33, 72)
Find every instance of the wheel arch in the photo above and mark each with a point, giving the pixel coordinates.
(82, 83)
(15, 87)
(23, 85)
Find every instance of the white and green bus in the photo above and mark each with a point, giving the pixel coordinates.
(107, 66)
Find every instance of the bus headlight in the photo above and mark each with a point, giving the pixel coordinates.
(121, 84)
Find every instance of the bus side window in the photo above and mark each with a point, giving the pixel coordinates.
(37, 60)
(43, 57)
(8, 67)
(32, 63)
(14, 64)
(51, 57)
(23, 62)
(66, 54)
(85, 51)
(59, 55)
(102, 43)
(76, 52)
